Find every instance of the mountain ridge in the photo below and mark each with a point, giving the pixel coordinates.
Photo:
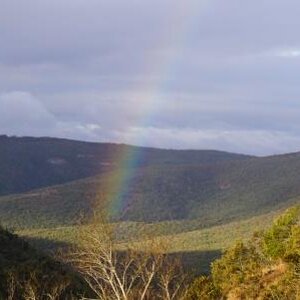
(29, 163)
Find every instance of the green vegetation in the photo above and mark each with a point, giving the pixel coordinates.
(205, 194)
(266, 267)
(183, 234)
(199, 247)
(158, 194)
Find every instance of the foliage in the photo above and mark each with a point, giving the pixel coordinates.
(267, 267)
(202, 288)
(240, 266)
(278, 239)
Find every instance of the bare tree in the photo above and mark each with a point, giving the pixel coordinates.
(123, 272)
(30, 287)
(11, 286)
(172, 279)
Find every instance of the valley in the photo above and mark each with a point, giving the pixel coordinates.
(198, 203)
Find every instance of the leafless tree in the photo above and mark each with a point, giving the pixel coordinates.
(124, 272)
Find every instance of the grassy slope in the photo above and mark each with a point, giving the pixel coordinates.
(197, 247)
(180, 233)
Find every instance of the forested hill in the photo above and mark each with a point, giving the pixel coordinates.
(62, 180)
(28, 163)
(211, 193)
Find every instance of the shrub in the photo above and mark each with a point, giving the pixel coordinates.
(266, 267)
(202, 288)
(276, 238)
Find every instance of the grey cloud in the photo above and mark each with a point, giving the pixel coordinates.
(193, 74)
(21, 111)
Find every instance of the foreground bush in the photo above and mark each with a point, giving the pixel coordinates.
(267, 267)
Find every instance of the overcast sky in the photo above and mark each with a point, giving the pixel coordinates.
(196, 74)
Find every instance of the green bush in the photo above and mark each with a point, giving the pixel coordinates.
(277, 239)
(202, 288)
(240, 266)
(266, 267)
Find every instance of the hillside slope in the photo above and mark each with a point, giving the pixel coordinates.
(29, 163)
(22, 267)
(212, 194)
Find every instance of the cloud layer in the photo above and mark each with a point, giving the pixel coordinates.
(193, 74)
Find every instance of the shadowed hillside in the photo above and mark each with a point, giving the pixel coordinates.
(29, 163)
(21, 270)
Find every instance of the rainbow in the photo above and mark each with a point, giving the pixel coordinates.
(150, 96)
